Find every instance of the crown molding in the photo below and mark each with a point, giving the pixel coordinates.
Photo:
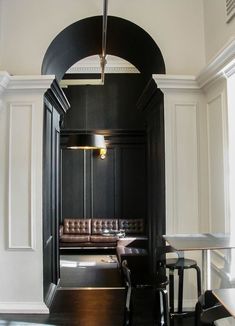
(37, 82)
(22, 83)
(176, 82)
(219, 66)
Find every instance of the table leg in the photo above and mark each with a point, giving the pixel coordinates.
(206, 268)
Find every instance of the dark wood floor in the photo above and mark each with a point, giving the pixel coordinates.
(95, 307)
(90, 308)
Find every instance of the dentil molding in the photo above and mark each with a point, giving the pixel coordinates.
(114, 65)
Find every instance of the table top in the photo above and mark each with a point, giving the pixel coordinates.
(200, 241)
(226, 298)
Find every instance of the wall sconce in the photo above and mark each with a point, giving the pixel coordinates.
(103, 152)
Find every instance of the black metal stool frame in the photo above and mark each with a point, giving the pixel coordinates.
(181, 264)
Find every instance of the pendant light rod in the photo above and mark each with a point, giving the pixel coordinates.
(104, 31)
(104, 39)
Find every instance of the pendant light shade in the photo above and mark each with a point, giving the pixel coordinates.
(86, 141)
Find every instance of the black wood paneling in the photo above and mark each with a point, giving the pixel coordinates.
(103, 185)
(108, 107)
(133, 181)
(47, 193)
(47, 200)
(156, 175)
(55, 104)
(55, 205)
(113, 187)
(51, 196)
(73, 174)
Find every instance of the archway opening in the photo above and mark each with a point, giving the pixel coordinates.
(133, 125)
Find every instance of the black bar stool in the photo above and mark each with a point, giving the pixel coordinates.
(180, 264)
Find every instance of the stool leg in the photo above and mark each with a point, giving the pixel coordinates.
(199, 282)
(171, 290)
(165, 307)
(180, 290)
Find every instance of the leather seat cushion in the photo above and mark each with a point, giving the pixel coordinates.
(103, 239)
(74, 238)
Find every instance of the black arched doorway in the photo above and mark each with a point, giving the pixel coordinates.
(130, 42)
(83, 38)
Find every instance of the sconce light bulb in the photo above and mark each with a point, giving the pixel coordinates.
(103, 152)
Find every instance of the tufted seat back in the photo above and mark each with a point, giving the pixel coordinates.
(132, 226)
(77, 226)
(99, 225)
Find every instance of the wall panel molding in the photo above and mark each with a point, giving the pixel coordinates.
(21, 214)
(217, 158)
(184, 164)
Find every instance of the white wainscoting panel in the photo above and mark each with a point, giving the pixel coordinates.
(217, 162)
(186, 167)
(181, 133)
(20, 177)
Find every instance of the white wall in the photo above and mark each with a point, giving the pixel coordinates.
(29, 26)
(0, 35)
(217, 31)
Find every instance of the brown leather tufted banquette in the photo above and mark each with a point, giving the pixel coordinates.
(132, 226)
(79, 232)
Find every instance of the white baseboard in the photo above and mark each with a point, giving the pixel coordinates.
(23, 308)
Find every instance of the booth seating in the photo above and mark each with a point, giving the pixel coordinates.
(98, 232)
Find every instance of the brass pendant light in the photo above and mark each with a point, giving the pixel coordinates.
(86, 141)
